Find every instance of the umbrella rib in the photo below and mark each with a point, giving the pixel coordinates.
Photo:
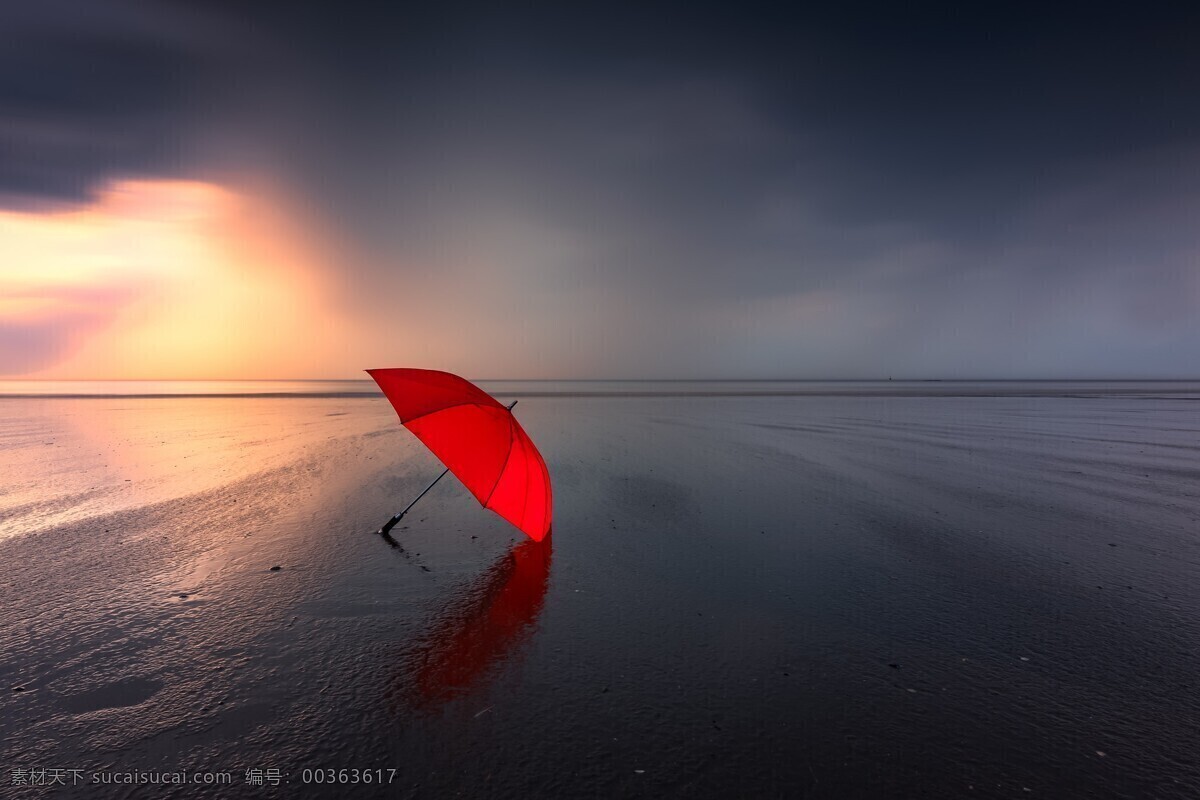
(511, 437)
(444, 408)
(525, 501)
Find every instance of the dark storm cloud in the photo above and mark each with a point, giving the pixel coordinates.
(836, 189)
(91, 90)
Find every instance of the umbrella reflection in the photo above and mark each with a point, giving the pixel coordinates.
(480, 631)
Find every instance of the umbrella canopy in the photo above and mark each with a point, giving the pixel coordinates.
(478, 439)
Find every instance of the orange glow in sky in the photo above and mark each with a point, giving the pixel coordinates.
(164, 280)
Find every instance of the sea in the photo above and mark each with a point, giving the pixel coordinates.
(752, 589)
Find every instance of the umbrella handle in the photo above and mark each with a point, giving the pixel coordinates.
(391, 523)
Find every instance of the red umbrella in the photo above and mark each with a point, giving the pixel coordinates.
(478, 439)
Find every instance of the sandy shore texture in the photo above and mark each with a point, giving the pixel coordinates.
(858, 594)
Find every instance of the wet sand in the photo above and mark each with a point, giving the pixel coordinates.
(947, 593)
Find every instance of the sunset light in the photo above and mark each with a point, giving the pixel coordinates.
(160, 279)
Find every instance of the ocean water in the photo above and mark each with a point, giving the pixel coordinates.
(604, 388)
(772, 590)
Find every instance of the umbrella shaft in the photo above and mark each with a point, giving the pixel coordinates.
(391, 523)
(422, 494)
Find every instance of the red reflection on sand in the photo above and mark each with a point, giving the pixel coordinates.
(480, 631)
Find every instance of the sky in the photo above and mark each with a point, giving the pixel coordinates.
(564, 190)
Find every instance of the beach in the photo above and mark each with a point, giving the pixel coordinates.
(752, 589)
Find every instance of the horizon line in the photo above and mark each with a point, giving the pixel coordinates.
(888, 379)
